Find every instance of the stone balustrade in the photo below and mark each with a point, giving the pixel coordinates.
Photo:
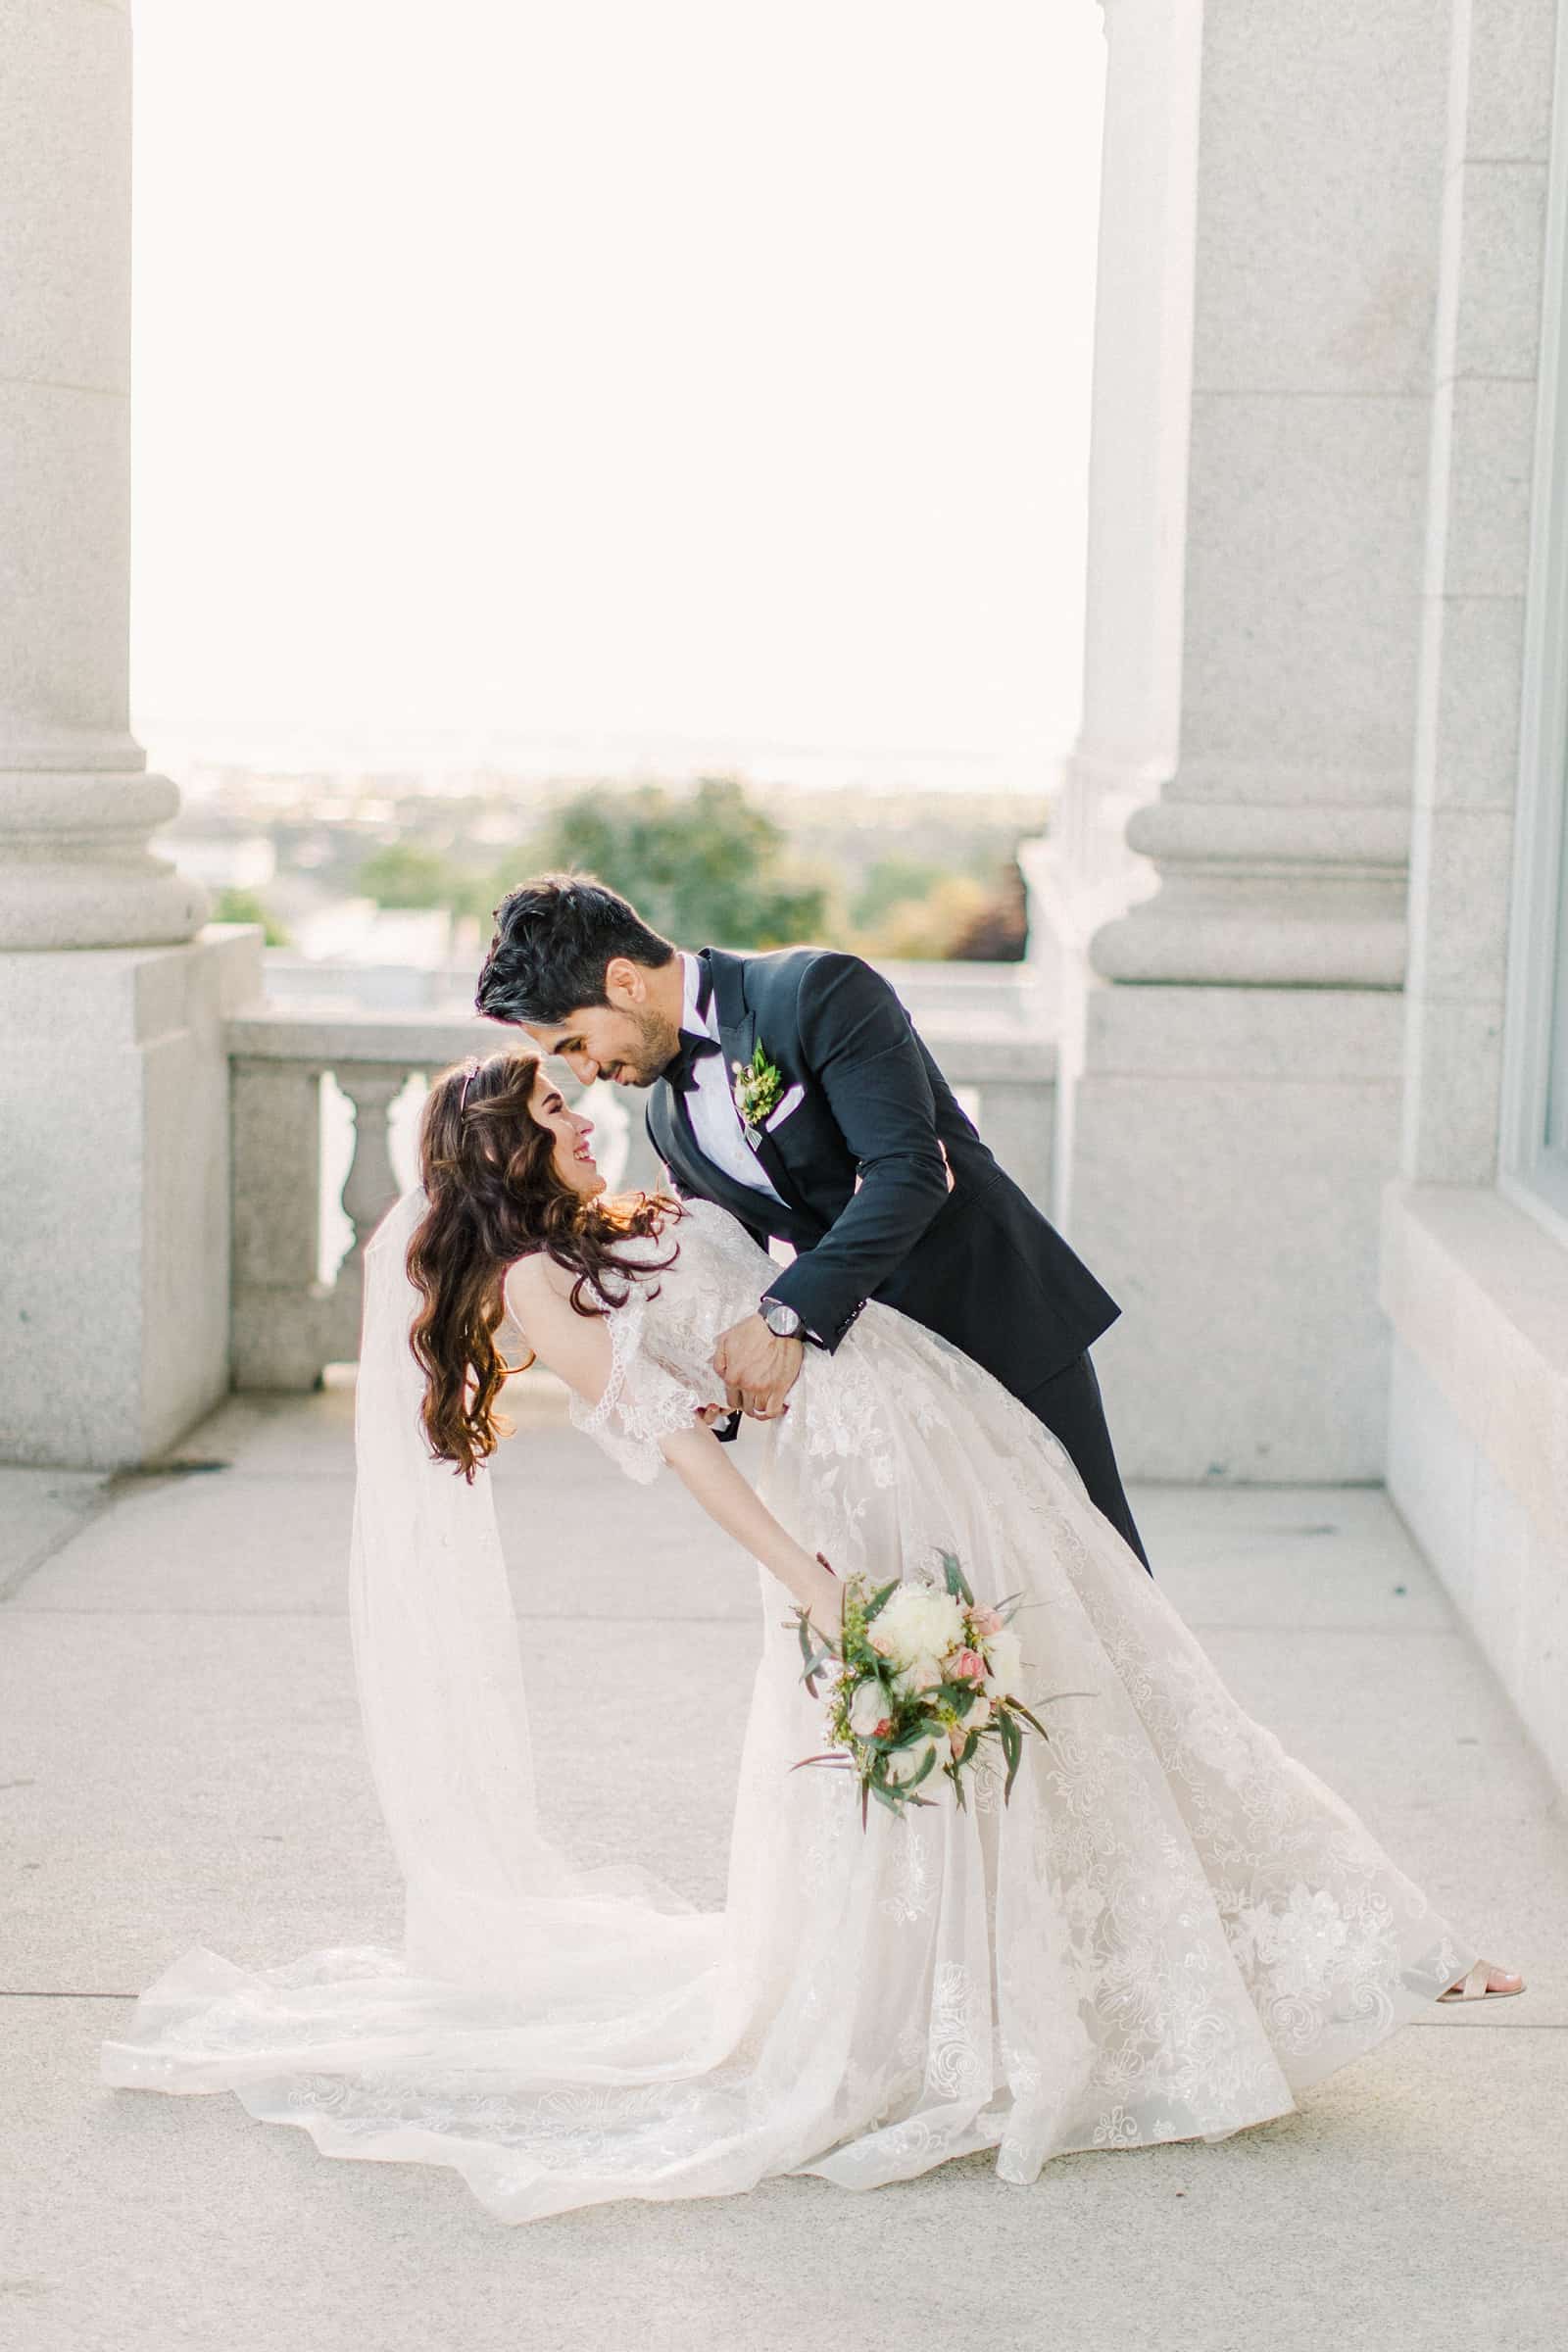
(289, 1322)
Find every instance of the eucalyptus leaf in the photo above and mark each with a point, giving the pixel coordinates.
(958, 1583)
(919, 1729)
(1019, 1709)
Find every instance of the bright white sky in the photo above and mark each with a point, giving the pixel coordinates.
(695, 368)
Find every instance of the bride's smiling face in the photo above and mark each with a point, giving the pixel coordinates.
(573, 1159)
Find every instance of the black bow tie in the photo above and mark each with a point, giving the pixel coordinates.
(682, 1071)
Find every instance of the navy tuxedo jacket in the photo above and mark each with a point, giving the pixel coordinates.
(977, 1263)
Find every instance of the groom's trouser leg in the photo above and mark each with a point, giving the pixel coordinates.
(1069, 1404)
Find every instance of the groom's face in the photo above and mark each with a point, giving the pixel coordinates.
(627, 1041)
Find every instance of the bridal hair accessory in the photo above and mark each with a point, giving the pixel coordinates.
(472, 1067)
(924, 1674)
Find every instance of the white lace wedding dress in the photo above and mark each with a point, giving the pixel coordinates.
(1172, 1930)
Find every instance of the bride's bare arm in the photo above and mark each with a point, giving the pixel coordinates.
(704, 1468)
(576, 1348)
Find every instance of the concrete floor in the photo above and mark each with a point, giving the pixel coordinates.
(180, 1763)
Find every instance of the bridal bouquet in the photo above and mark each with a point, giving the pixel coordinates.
(920, 1676)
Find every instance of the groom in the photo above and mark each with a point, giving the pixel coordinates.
(839, 1133)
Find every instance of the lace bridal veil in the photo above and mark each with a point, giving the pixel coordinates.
(526, 1990)
(490, 1903)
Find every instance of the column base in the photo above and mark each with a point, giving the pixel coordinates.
(1296, 895)
(76, 870)
(1230, 1146)
(115, 1168)
(1280, 941)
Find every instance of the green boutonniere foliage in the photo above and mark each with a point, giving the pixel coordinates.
(759, 1086)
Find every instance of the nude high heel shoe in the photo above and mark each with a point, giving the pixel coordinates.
(1473, 1986)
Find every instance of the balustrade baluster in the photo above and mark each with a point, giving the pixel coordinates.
(276, 1303)
(369, 1188)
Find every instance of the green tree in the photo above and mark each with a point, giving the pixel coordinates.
(244, 907)
(1000, 931)
(889, 883)
(402, 874)
(927, 929)
(710, 865)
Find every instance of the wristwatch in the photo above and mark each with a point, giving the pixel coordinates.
(782, 1321)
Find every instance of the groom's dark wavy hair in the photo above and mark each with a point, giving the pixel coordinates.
(556, 936)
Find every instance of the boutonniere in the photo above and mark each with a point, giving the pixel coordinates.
(757, 1089)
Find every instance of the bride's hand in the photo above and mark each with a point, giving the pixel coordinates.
(826, 1609)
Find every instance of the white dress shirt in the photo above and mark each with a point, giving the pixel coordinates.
(715, 1121)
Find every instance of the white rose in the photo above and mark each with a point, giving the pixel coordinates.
(905, 1762)
(924, 1674)
(920, 1621)
(870, 1706)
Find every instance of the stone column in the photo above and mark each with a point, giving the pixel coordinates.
(1084, 872)
(113, 1078)
(77, 805)
(1282, 838)
(1232, 1076)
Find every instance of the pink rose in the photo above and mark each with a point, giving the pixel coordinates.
(956, 1739)
(986, 1621)
(965, 1666)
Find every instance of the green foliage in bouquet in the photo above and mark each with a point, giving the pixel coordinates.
(920, 1677)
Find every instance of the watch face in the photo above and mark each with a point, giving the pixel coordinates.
(781, 1320)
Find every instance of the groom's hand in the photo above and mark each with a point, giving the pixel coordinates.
(757, 1368)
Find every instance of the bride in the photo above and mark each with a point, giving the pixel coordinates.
(1170, 1931)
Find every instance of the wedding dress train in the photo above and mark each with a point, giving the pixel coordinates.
(1172, 1930)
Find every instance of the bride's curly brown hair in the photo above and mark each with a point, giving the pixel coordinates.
(487, 1168)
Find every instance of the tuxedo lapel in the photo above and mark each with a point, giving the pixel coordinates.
(677, 1144)
(737, 1031)
(671, 1123)
(737, 1023)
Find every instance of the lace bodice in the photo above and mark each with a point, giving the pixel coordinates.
(663, 1337)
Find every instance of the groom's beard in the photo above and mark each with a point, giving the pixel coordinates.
(658, 1044)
